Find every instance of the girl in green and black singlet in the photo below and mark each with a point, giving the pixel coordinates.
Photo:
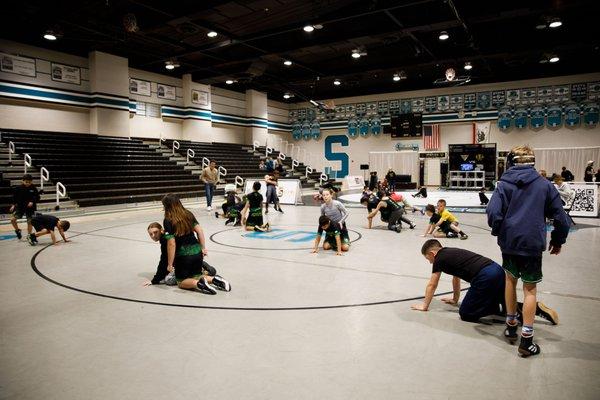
(254, 217)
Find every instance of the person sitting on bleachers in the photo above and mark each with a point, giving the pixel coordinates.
(269, 165)
(262, 166)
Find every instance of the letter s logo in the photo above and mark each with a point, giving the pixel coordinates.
(343, 157)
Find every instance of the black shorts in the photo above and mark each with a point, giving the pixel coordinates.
(188, 267)
(28, 212)
(527, 268)
(255, 217)
(445, 227)
(37, 225)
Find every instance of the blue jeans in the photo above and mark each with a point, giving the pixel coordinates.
(209, 189)
(486, 294)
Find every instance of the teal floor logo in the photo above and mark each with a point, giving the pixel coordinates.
(293, 236)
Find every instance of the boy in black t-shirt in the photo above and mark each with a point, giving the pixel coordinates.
(486, 294)
(443, 230)
(44, 225)
(25, 199)
(333, 236)
(252, 216)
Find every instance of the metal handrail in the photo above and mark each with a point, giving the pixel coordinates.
(222, 171)
(309, 170)
(281, 156)
(205, 162)
(44, 176)
(27, 162)
(239, 181)
(268, 150)
(190, 154)
(11, 151)
(175, 146)
(255, 145)
(61, 191)
(295, 163)
(323, 178)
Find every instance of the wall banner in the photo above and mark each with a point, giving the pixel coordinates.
(139, 87)
(200, 97)
(17, 65)
(166, 92)
(65, 73)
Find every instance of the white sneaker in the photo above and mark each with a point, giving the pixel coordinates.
(209, 208)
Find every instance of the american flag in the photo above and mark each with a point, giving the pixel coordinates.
(431, 137)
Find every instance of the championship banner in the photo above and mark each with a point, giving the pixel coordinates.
(17, 65)
(289, 191)
(481, 132)
(65, 73)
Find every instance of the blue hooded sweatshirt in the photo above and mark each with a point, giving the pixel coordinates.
(518, 209)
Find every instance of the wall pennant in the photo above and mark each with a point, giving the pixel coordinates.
(375, 125)
(315, 130)
(554, 118)
(352, 127)
(306, 130)
(521, 117)
(504, 119)
(590, 114)
(572, 114)
(537, 117)
(363, 127)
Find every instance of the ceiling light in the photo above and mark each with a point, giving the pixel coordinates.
(309, 28)
(50, 35)
(555, 23)
(212, 34)
(287, 96)
(287, 62)
(554, 59)
(171, 64)
(396, 77)
(541, 25)
(443, 35)
(468, 66)
(229, 81)
(337, 82)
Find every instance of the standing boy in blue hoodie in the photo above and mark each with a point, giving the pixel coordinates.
(517, 214)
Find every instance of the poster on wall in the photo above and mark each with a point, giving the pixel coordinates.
(594, 91)
(199, 97)
(430, 104)
(17, 65)
(544, 94)
(139, 87)
(578, 91)
(498, 98)
(166, 92)
(66, 74)
(528, 96)
(470, 101)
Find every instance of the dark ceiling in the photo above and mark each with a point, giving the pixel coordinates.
(499, 38)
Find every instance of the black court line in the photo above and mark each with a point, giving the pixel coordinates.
(106, 296)
(275, 249)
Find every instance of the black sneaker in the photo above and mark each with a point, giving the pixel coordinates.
(464, 237)
(279, 209)
(510, 333)
(204, 287)
(450, 235)
(18, 233)
(31, 239)
(412, 226)
(216, 214)
(221, 283)
(398, 228)
(542, 310)
(528, 348)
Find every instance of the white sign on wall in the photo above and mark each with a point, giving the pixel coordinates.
(17, 65)
(200, 97)
(166, 92)
(289, 191)
(65, 73)
(140, 87)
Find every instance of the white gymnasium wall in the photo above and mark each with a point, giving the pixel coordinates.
(228, 133)
(30, 115)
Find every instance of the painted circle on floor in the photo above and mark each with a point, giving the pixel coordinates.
(281, 237)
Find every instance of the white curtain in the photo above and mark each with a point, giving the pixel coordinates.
(402, 162)
(575, 159)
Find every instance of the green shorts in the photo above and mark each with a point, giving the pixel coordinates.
(527, 268)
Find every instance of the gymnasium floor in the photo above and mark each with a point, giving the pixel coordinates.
(295, 326)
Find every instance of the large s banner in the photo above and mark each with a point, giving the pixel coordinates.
(288, 190)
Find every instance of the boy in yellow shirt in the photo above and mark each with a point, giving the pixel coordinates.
(447, 217)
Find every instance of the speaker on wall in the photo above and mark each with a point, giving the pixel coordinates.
(364, 167)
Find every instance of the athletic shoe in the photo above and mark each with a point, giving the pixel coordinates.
(510, 333)
(450, 235)
(221, 283)
(398, 228)
(280, 210)
(229, 220)
(267, 226)
(259, 228)
(528, 348)
(31, 239)
(18, 233)
(464, 237)
(412, 226)
(542, 310)
(204, 287)
(216, 214)
(170, 279)
(209, 208)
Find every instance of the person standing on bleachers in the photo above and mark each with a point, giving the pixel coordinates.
(210, 177)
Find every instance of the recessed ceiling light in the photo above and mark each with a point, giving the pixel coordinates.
(468, 66)
(287, 96)
(50, 35)
(337, 82)
(212, 34)
(443, 35)
(355, 55)
(171, 64)
(396, 77)
(229, 81)
(309, 28)
(554, 59)
(555, 23)
(287, 62)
